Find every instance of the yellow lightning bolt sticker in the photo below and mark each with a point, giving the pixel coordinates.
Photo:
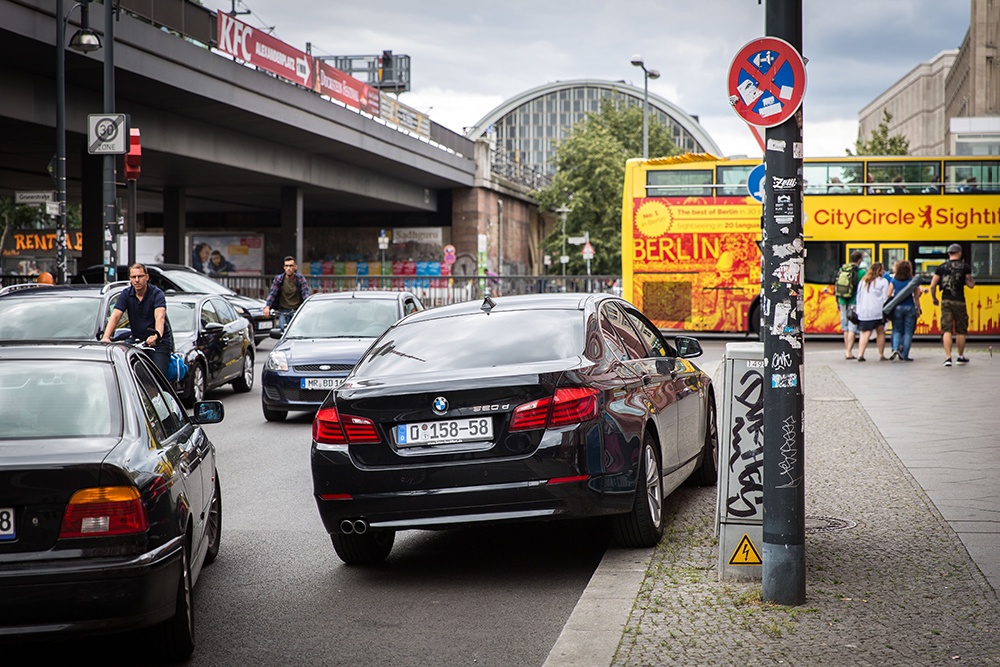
(745, 553)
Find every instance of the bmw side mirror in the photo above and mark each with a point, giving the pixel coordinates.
(687, 348)
(208, 412)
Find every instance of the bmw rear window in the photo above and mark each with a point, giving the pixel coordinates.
(57, 399)
(476, 340)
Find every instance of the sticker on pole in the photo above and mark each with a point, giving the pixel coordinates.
(767, 81)
(746, 553)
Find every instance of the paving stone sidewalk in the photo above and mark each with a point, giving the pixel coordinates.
(896, 589)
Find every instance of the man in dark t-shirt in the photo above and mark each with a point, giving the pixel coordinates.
(147, 315)
(953, 277)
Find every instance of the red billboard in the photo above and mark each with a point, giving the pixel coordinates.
(345, 88)
(259, 49)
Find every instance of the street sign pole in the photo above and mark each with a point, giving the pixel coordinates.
(783, 554)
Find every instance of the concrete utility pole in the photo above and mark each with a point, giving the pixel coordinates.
(783, 570)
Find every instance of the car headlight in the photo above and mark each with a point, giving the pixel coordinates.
(277, 361)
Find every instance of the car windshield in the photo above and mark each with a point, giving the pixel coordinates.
(189, 281)
(57, 399)
(181, 316)
(476, 340)
(343, 318)
(48, 318)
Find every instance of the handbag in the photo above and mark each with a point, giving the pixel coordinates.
(852, 314)
(177, 368)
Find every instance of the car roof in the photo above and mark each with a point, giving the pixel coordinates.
(76, 290)
(556, 301)
(189, 296)
(361, 295)
(84, 350)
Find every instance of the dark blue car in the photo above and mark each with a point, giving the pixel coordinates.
(319, 347)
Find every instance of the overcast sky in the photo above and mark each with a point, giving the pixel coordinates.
(468, 56)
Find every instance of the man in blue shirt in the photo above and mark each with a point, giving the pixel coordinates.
(147, 315)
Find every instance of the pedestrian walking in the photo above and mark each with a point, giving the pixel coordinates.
(845, 289)
(873, 290)
(146, 306)
(904, 313)
(288, 290)
(953, 276)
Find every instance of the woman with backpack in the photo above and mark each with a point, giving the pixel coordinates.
(873, 290)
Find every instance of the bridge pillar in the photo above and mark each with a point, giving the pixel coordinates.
(291, 222)
(174, 225)
(92, 210)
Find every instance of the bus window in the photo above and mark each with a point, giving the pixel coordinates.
(985, 261)
(823, 260)
(733, 180)
(867, 250)
(832, 178)
(892, 253)
(927, 258)
(904, 177)
(679, 183)
(974, 176)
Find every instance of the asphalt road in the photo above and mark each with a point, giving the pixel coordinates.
(278, 594)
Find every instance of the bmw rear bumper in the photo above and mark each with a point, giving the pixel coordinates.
(89, 594)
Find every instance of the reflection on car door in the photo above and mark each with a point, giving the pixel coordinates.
(232, 337)
(685, 381)
(185, 448)
(211, 342)
(655, 382)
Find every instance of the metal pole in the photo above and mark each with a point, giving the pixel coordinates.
(108, 199)
(562, 210)
(783, 554)
(132, 188)
(62, 272)
(645, 112)
(499, 238)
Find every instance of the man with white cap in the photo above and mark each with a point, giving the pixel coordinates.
(953, 276)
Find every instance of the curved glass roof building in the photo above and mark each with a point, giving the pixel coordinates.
(527, 127)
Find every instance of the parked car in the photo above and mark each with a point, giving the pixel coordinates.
(180, 278)
(523, 408)
(319, 347)
(110, 503)
(59, 312)
(216, 343)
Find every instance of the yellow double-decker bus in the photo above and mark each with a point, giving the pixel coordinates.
(691, 231)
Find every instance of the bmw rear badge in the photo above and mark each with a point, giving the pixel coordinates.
(440, 405)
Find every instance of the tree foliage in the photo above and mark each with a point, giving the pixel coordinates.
(880, 142)
(590, 173)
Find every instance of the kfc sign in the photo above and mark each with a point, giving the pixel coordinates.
(243, 42)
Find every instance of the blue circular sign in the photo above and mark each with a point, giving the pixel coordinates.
(755, 183)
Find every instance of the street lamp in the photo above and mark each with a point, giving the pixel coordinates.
(84, 40)
(563, 259)
(647, 75)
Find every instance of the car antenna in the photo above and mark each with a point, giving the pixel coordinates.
(488, 303)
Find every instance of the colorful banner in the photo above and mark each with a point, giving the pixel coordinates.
(227, 254)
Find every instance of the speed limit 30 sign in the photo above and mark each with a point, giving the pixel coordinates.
(107, 134)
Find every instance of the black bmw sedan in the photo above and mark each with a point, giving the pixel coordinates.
(526, 408)
(110, 503)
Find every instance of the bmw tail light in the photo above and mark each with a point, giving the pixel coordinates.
(573, 405)
(567, 406)
(332, 428)
(108, 510)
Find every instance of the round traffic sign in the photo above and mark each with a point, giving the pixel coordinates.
(755, 182)
(767, 81)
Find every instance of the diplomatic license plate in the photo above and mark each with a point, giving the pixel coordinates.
(446, 430)
(321, 383)
(7, 526)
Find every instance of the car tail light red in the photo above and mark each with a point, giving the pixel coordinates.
(332, 428)
(567, 406)
(108, 510)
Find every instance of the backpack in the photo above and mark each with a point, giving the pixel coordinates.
(846, 284)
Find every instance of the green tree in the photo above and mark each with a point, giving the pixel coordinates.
(880, 142)
(590, 174)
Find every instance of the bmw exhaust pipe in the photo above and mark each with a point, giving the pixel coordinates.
(349, 526)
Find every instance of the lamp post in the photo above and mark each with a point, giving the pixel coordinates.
(83, 40)
(647, 74)
(563, 259)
